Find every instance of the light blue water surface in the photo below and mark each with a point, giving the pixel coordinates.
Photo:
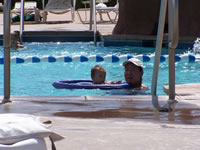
(35, 79)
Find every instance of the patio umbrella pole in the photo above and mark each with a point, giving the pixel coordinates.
(6, 43)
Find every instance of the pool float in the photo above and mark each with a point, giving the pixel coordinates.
(87, 84)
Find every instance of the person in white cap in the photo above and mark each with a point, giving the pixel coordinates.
(133, 73)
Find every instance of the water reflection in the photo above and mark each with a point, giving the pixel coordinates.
(182, 113)
(182, 116)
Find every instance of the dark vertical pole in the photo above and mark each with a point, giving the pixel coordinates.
(6, 43)
(22, 22)
(173, 39)
(91, 14)
(94, 22)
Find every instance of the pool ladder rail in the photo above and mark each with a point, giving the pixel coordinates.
(97, 58)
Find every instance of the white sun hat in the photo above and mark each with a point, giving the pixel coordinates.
(134, 61)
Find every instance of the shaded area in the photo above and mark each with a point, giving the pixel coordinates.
(110, 113)
(140, 17)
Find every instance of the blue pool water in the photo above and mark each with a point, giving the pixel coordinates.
(36, 79)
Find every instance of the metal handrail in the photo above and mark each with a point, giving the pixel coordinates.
(22, 22)
(6, 42)
(43, 4)
(95, 22)
(91, 14)
(159, 42)
(173, 38)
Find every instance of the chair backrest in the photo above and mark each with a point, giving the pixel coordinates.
(101, 1)
(54, 5)
(27, 5)
(117, 5)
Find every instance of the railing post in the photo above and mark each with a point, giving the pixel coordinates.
(74, 8)
(6, 43)
(159, 41)
(95, 22)
(173, 38)
(43, 4)
(22, 22)
(91, 14)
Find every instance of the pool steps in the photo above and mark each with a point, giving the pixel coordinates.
(97, 58)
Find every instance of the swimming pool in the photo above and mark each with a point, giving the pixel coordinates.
(35, 79)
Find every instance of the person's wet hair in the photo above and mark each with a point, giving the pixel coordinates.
(95, 69)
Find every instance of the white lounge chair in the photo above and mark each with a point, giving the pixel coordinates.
(101, 8)
(25, 132)
(29, 8)
(27, 144)
(58, 7)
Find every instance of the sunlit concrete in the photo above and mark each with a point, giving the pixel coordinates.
(114, 122)
(62, 22)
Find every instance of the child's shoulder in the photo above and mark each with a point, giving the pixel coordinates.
(113, 82)
(20, 46)
(144, 87)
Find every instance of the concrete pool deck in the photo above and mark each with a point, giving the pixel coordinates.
(114, 122)
(185, 89)
(110, 122)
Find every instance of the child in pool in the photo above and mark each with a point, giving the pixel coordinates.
(98, 75)
(15, 40)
